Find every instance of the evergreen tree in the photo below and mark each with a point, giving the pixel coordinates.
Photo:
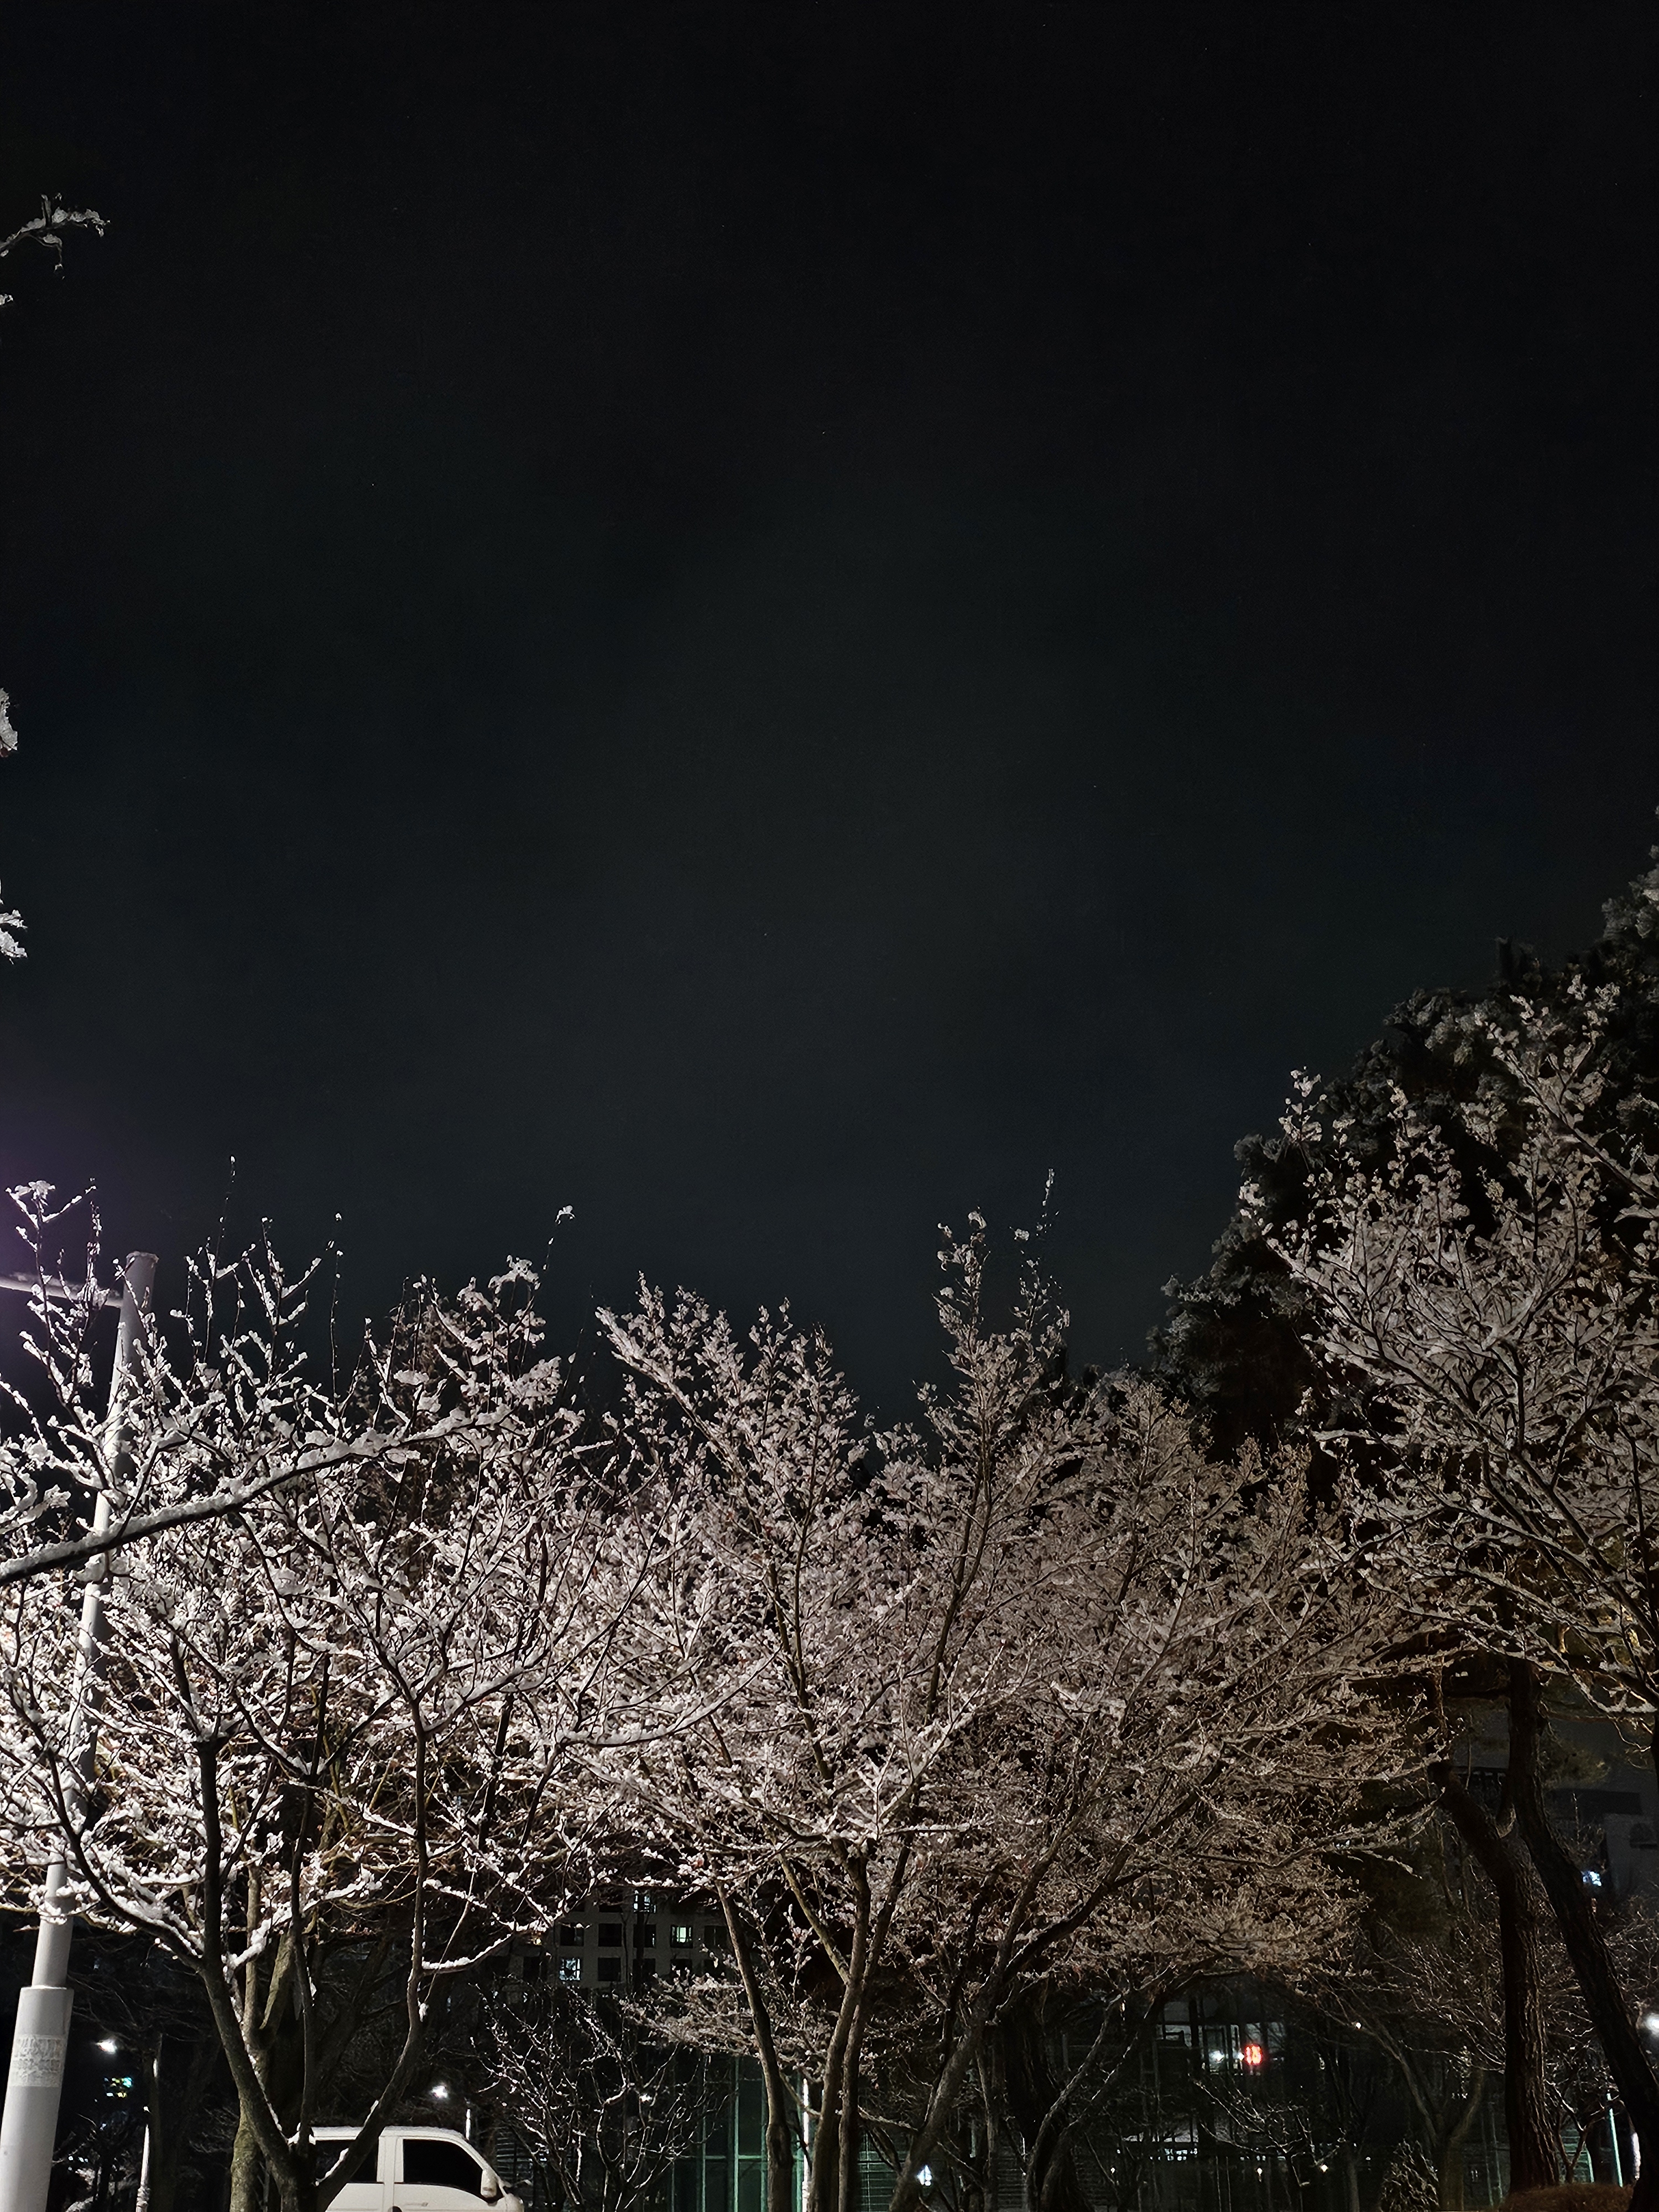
(1231, 1345)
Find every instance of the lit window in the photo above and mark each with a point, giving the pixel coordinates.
(680, 1935)
(570, 1969)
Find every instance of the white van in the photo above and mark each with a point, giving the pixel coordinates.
(417, 2170)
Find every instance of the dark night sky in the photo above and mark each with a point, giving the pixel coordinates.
(768, 620)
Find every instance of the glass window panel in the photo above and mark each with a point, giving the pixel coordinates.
(328, 2152)
(441, 2165)
(751, 2108)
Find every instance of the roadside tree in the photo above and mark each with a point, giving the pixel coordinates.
(1492, 1341)
(346, 1714)
(214, 1412)
(605, 2101)
(1029, 1688)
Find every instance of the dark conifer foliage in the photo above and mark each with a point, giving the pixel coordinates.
(1231, 1343)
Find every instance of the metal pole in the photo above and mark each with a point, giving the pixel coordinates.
(34, 2083)
(141, 2203)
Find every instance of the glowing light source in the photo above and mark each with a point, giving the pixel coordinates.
(440, 2089)
(1253, 2055)
(925, 2176)
(109, 2044)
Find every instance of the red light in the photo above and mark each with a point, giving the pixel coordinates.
(1253, 2055)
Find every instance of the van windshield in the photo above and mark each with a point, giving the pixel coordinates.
(364, 2169)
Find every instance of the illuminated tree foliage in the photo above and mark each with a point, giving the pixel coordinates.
(1481, 1301)
(349, 1711)
(1030, 1688)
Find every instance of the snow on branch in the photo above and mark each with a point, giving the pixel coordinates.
(1487, 1299)
(355, 1700)
(47, 230)
(1026, 1688)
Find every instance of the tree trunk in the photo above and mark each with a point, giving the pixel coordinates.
(1534, 2150)
(850, 2193)
(780, 2133)
(247, 2171)
(181, 2075)
(1449, 2151)
(1562, 1879)
(1052, 2183)
(823, 2159)
(826, 2191)
(992, 2099)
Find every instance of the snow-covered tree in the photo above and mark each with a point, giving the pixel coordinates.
(349, 1711)
(1483, 1293)
(214, 1412)
(1234, 1344)
(45, 230)
(1028, 1688)
(606, 2103)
